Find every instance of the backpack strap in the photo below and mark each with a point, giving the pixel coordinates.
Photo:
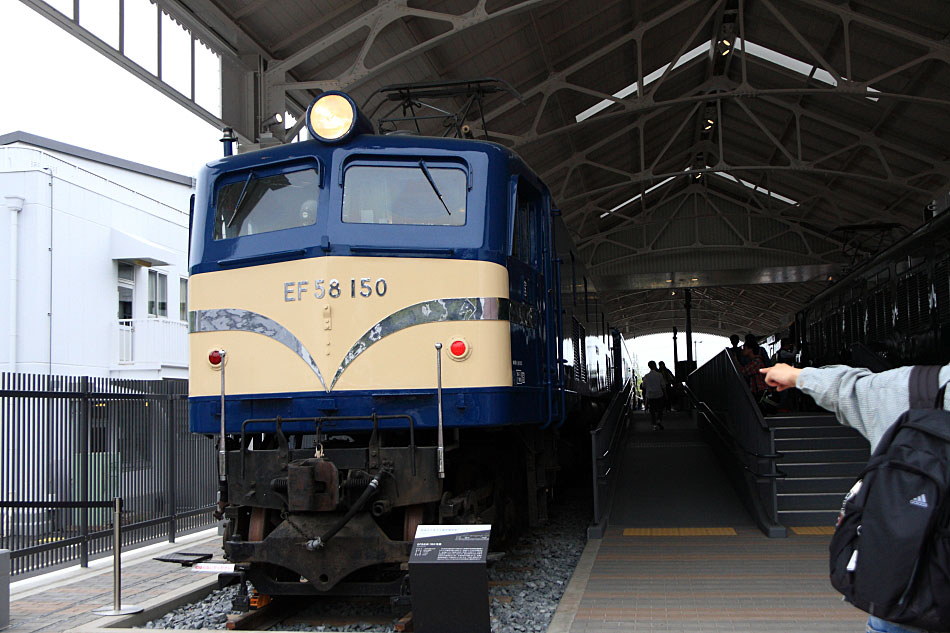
(924, 386)
(939, 402)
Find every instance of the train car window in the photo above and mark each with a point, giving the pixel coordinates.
(260, 204)
(427, 195)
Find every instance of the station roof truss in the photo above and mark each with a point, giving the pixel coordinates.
(752, 149)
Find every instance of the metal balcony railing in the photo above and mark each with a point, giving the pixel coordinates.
(159, 341)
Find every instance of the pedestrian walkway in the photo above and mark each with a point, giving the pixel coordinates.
(63, 600)
(681, 554)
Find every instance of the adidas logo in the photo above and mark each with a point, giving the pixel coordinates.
(920, 501)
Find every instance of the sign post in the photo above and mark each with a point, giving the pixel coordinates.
(449, 579)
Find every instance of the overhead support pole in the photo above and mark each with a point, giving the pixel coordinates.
(676, 354)
(688, 304)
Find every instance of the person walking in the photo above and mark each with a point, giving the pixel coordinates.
(861, 399)
(654, 386)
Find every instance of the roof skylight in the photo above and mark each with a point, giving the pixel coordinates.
(685, 58)
(748, 184)
(751, 48)
(637, 197)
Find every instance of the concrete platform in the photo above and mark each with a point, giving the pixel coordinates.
(681, 554)
(63, 600)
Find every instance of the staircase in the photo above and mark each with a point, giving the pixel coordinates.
(821, 459)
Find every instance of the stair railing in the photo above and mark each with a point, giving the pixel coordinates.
(605, 443)
(734, 425)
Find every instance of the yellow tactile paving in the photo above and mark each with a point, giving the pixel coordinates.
(820, 530)
(687, 531)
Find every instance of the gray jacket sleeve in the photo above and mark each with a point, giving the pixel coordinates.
(859, 398)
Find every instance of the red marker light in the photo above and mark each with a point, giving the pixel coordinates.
(459, 349)
(215, 357)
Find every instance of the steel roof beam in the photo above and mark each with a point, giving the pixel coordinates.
(376, 20)
(73, 27)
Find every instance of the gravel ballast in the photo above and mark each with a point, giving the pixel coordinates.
(526, 585)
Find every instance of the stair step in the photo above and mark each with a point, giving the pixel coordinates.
(805, 518)
(814, 484)
(828, 469)
(802, 419)
(820, 443)
(813, 456)
(786, 432)
(810, 501)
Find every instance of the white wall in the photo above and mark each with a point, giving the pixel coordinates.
(67, 320)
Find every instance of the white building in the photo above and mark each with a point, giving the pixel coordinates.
(94, 250)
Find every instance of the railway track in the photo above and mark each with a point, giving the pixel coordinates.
(289, 611)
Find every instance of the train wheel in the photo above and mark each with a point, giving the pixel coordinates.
(255, 530)
(412, 520)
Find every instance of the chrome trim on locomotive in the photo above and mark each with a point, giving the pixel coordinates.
(436, 310)
(236, 320)
(433, 311)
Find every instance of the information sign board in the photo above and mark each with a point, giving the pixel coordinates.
(449, 580)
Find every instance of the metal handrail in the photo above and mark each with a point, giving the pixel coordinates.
(602, 457)
(721, 428)
(723, 397)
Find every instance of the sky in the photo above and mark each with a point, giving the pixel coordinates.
(57, 87)
(659, 347)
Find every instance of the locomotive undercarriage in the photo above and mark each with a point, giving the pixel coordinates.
(312, 520)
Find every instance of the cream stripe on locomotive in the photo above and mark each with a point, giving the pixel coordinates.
(290, 325)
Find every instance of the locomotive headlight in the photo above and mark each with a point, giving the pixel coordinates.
(459, 349)
(333, 116)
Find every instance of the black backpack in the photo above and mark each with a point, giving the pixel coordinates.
(890, 554)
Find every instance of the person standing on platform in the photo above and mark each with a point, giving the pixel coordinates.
(861, 399)
(670, 389)
(752, 343)
(735, 350)
(654, 386)
(750, 366)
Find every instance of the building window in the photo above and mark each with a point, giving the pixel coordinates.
(126, 287)
(183, 299)
(157, 294)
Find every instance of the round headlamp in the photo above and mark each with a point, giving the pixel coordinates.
(333, 116)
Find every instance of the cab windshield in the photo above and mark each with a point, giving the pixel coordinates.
(260, 204)
(424, 194)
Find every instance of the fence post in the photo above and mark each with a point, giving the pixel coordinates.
(84, 471)
(170, 494)
(4, 588)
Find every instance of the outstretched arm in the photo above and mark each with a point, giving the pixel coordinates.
(861, 399)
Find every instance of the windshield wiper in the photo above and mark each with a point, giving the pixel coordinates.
(240, 200)
(425, 170)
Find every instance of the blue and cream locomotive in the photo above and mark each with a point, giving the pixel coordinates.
(385, 331)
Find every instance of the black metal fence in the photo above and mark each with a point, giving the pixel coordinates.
(71, 444)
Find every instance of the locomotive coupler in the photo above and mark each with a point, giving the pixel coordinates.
(371, 488)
